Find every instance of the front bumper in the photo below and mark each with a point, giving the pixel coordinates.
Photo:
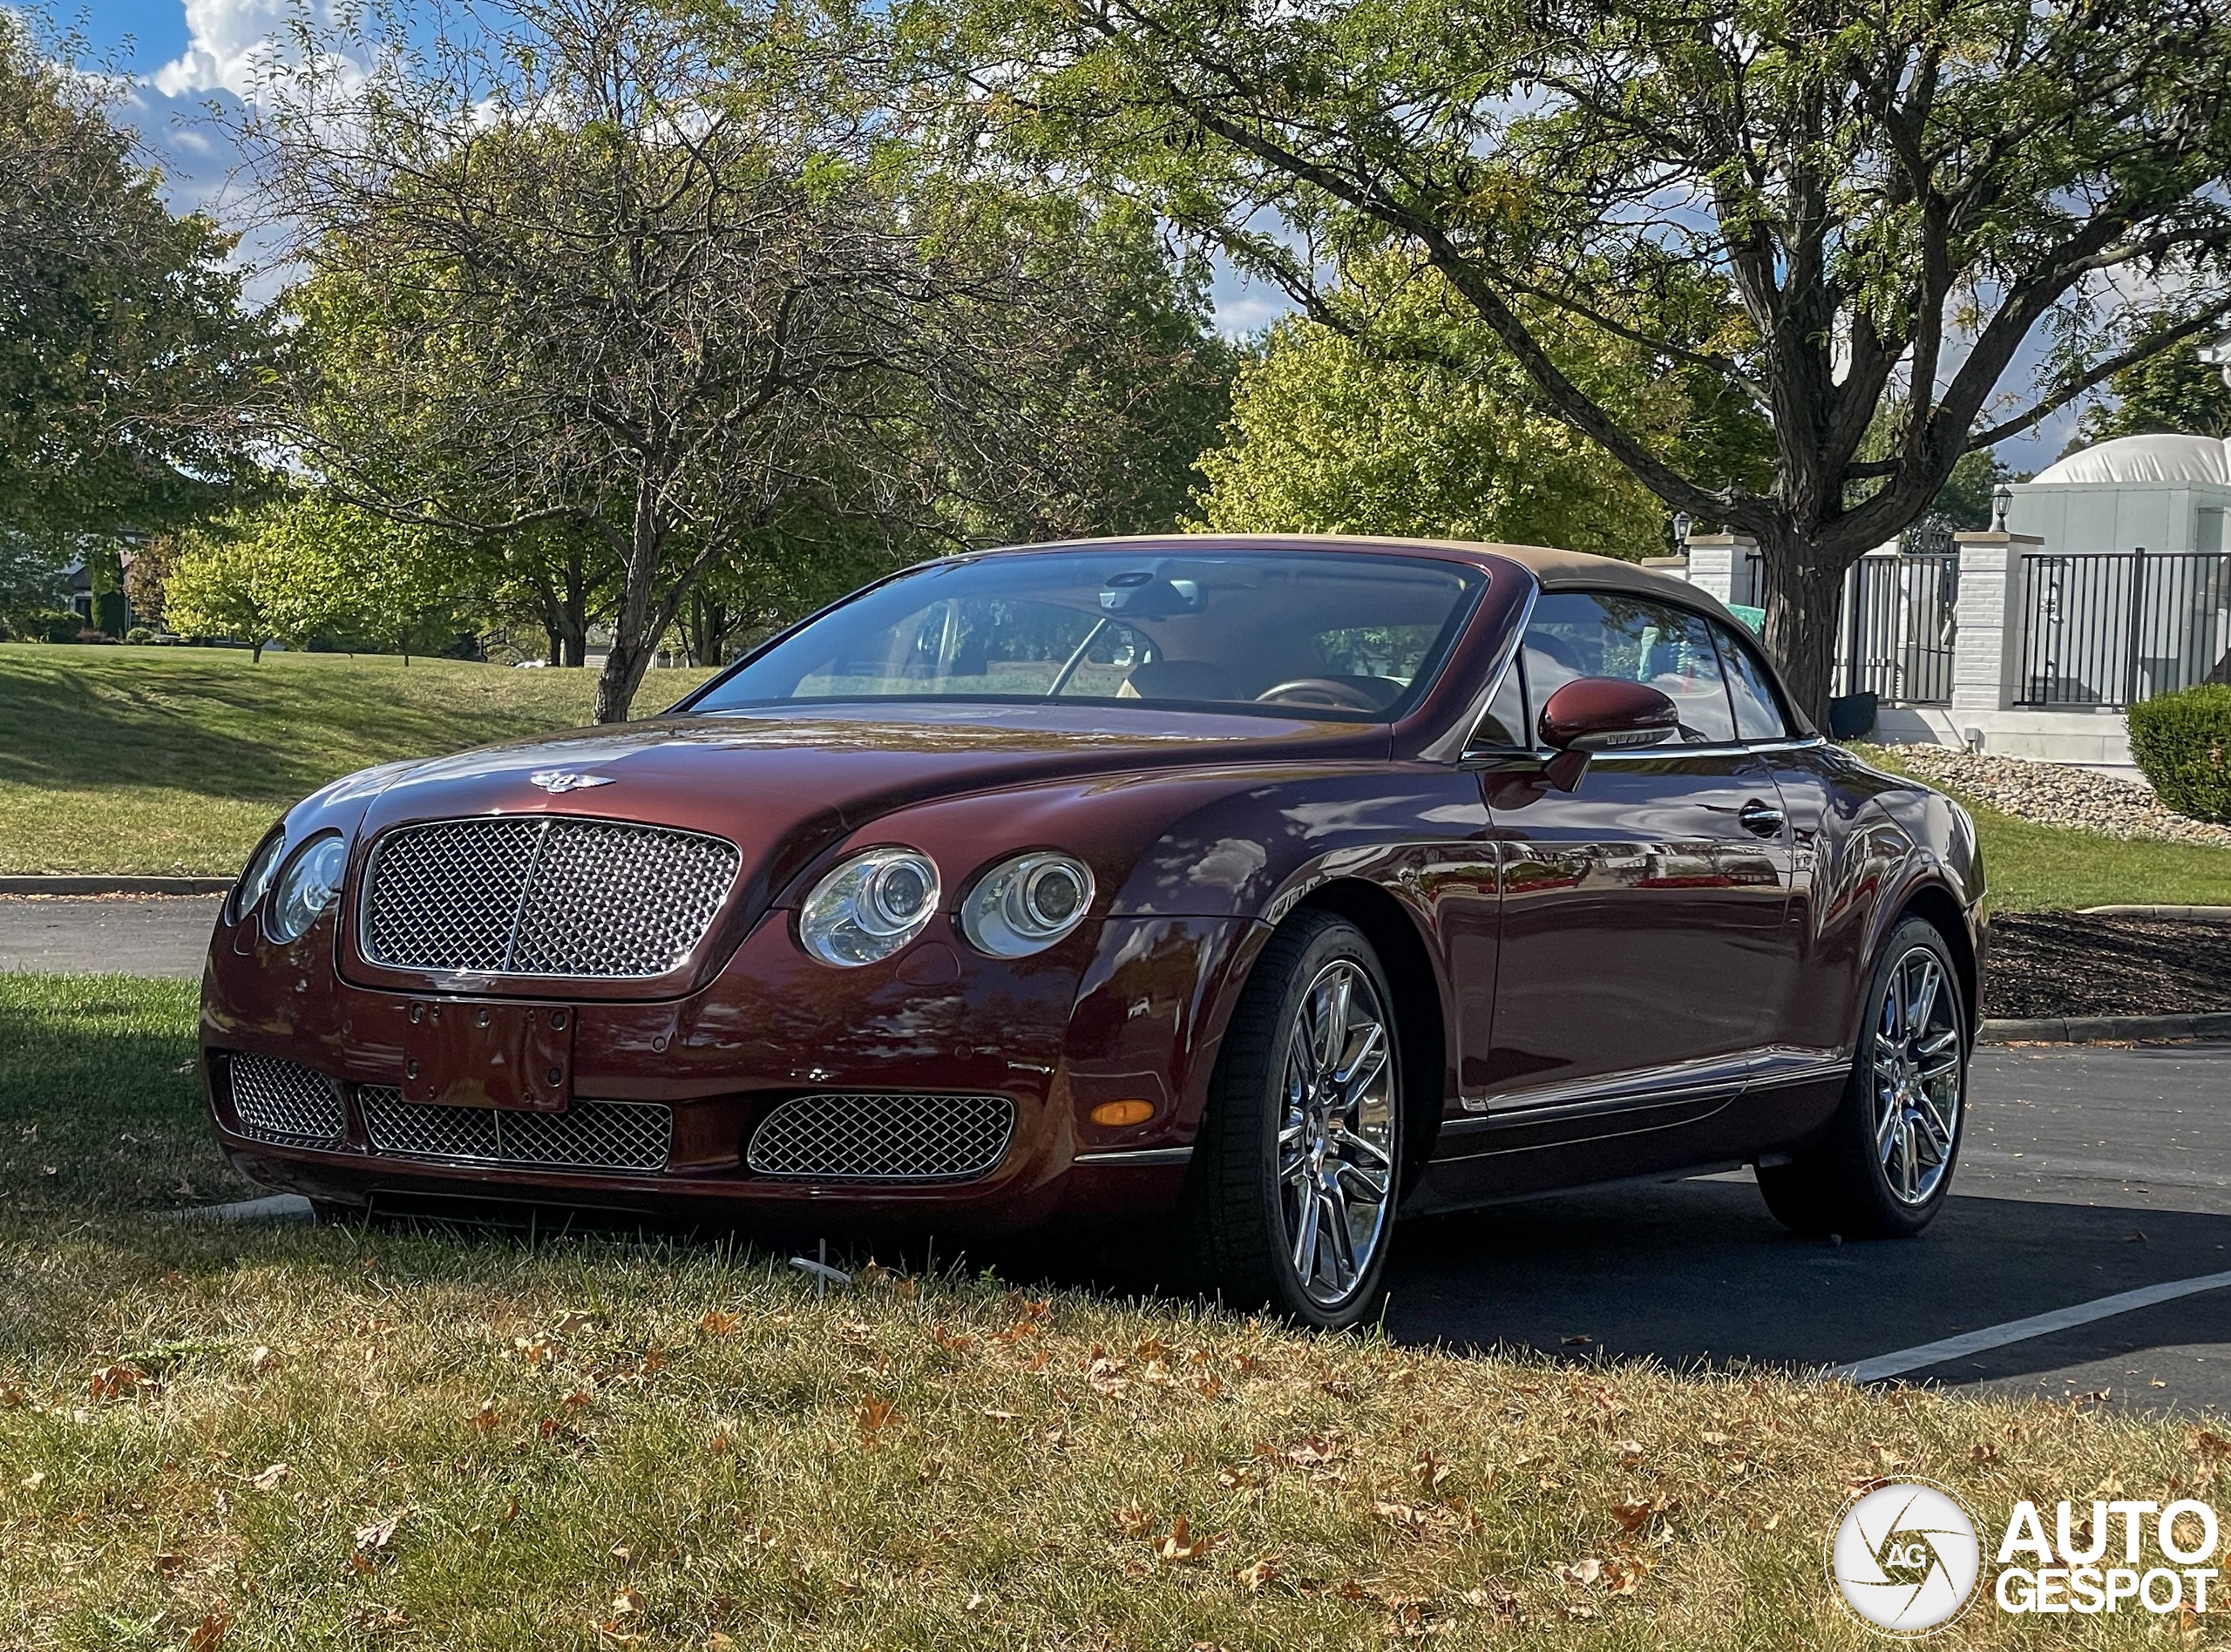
(1121, 1009)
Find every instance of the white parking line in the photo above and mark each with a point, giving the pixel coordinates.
(2015, 1331)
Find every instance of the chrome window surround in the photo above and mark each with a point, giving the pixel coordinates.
(867, 1136)
(549, 897)
(1466, 753)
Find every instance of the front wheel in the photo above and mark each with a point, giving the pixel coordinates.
(1885, 1165)
(1292, 1198)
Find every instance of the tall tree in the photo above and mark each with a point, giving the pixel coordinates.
(1433, 429)
(127, 362)
(650, 272)
(1912, 200)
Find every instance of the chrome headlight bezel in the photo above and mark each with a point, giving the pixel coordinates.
(309, 882)
(1026, 902)
(870, 906)
(256, 876)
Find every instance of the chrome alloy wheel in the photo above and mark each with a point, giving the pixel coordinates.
(1336, 1137)
(1917, 1078)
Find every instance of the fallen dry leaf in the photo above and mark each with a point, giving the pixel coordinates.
(716, 1324)
(1253, 1576)
(111, 1382)
(379, 1533)
(1180, 1544)
(270, 1478)
(209, 1634)
(1583, 1572)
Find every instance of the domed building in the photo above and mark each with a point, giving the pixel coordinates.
(2166, 493)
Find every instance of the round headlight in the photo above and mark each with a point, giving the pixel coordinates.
(869, 907)
(257, 877)
(1026, 904)
(306, 888)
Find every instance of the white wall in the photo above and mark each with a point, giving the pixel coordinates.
(2076, 517)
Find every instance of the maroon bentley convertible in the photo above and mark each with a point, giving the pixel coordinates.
(1254, 890)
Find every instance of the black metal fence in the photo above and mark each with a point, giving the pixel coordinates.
(1893, 633)
(2111, 628)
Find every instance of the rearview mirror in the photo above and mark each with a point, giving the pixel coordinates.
(1589, 715)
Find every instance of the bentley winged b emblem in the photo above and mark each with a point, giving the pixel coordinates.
(555, 781)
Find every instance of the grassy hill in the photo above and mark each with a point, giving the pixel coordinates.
(175, 760)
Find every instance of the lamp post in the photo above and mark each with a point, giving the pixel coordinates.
(2002, 499)
(1682, 522)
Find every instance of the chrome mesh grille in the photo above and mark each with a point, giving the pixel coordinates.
(285, 1103)
(630, 1136)
(551, 896)
(877, 1137)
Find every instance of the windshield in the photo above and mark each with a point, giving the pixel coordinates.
(1317, 635)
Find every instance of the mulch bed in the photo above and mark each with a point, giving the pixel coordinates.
(2047, 964)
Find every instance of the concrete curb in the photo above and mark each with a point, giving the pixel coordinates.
(2173, 914)
(278, 1207)
(2088, 1029)
(65, 886)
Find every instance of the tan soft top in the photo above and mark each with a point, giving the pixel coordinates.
(1557, 570)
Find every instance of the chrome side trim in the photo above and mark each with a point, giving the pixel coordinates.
(1137, 1155)
(1787, 1064)
(1675, 1081)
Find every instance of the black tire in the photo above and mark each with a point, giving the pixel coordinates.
(1874, 1175)
(1240, 1208)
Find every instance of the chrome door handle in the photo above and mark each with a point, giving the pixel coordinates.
(1763, 819)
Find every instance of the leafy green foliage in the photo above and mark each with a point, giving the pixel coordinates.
(2173, 393)
(1407, 415)
(32, 588)
(126, 360)
(2182, 745)
(309, 567)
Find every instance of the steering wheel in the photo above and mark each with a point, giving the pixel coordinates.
(1320, 691)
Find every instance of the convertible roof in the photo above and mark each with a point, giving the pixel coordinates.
(1557, 570)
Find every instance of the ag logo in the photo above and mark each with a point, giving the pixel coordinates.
(1905, 1556)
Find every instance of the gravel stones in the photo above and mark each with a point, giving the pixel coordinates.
(2057, 794)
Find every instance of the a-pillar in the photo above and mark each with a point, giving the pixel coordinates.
(1987, 641)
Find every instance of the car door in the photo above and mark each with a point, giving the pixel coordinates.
(1643, 932)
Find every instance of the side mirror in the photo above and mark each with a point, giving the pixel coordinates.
(1602, 714)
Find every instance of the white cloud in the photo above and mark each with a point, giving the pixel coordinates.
(229, 43)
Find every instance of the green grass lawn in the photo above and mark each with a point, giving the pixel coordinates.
(2031, 867)
(176, 760)
(285, 1438)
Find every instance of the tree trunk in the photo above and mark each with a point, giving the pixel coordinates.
(255, 652)
(634, 637)
(1804, 601)
(574, 616)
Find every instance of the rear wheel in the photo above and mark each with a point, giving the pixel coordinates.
(1292, 1198)
(1885, 1165)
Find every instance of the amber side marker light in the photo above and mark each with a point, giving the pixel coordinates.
(1115, 1113)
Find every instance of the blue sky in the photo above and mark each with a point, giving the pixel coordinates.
(155, 30)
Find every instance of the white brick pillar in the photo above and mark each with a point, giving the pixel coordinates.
(1718, 564)
(1987, 641)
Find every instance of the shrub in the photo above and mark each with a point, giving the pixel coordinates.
(139, 634)
(2182, 742)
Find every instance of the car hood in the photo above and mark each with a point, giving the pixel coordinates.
(783, 786)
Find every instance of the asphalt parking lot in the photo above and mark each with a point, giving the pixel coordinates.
(2089, 1171)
